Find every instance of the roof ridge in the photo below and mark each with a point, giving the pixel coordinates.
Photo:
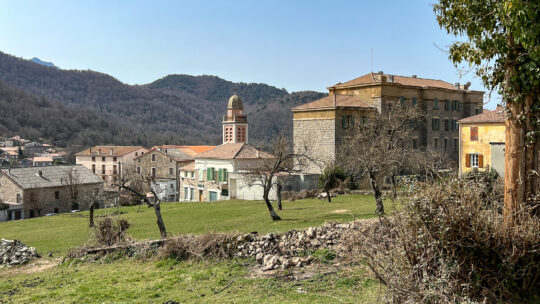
(238, 152)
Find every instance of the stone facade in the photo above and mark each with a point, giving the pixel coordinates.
(163, 168)
(322, 130)
(40, 201)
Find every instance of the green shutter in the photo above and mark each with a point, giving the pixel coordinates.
(352, 120)
(343, 121)
(220, 175)
(414, 101)
(436, 103)
(224, 175)
(209, 173)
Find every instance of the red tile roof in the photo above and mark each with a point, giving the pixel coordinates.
(375, 78)
(495, 116)
(234, 151)
(338, 100)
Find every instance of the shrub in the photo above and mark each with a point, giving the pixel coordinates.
(111, 231)
(211, 245)
(449, 244)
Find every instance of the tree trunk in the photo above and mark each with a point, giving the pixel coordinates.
(521, 161)
(160, 223)
(377, 193)
(394, 185)
(92, 205)
(273, 213)
(279, 188)
(328, 195)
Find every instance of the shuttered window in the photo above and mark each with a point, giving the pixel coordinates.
(209, 174)
(435, 103)
(402, 101)
(474, 133)
(414, 101)
(474, 160)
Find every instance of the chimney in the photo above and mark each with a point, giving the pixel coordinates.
(413, 76)
(99, 150)
(335, 101)
(258, 150)
(457, 85)
(380, 72)
(390, 78)
(90, 150)
(112, 151)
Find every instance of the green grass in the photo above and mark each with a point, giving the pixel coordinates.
(60, 233)
(134, 281)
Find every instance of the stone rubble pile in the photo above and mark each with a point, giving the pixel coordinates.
(16, 252)
(274, 251)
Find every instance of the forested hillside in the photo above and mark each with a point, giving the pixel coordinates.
(176, 109)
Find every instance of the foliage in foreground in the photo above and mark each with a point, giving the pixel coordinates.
(450, 244)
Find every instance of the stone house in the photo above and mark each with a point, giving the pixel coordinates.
(163, 164)
(482, 141)
(324, 123)
(36, 191)
(41, 161)
(108, 162)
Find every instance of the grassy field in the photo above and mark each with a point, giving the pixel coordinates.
(60, 233)
(133, 281)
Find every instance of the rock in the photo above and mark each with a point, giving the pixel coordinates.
(259, 258)
(15, 252)
(310, 232)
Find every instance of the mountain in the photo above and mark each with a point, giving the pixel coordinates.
(176, 109)
(44, 63)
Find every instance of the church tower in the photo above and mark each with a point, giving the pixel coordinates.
(235, 125)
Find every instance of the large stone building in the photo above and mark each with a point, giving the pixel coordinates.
(323, 125)
(482, 141)
(163, 164)
(36, 191)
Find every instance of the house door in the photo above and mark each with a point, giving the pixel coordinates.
(201, 198)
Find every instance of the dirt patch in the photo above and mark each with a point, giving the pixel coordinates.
(340, 211)
(293, 274)
(33, 267)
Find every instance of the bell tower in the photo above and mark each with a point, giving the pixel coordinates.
(235, 125)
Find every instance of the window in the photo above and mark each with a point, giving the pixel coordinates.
(222, 175)
(55, 210)
(171, 171)
(414, 101)
(415, 143)
(153, 172)
(153, 157)
(93, 158)
(209, 174)
(474, 160)
(102, 169)
(94, 168)
(458, 105)
(476, 111)
(453, 105)
(103, 158)
(446, 125)
(347, 121)
(454, 125)
(213, 196)
(435, 124)
(402, 101)
(456, 145)
(171, 186)
(32, 213)
(192, 174)
(435, 143)
(57, 195)
(445, 144)
(191, 193)
(114, 159)
(474, 133)
(447, 105)
(186, 193)
(435, 103)
(138, 170)
(18, 198)
(136, 153)
(114, 170)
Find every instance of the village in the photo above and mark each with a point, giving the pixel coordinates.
(36, 178)
(173, 152)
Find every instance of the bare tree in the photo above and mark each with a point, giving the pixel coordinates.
(265, 173)
(381, 146)
(139, 186)
(78, 196)
(330, 178)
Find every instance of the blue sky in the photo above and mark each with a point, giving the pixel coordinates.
(297, 45)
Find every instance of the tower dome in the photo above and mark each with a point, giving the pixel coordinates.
(235, 103)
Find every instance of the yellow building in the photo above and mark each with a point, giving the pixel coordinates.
(481, 141)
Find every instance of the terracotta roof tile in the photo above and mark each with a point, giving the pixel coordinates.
(487, 116)
(234, 151)
(106, 150)
(372, 78)
(341, 101)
